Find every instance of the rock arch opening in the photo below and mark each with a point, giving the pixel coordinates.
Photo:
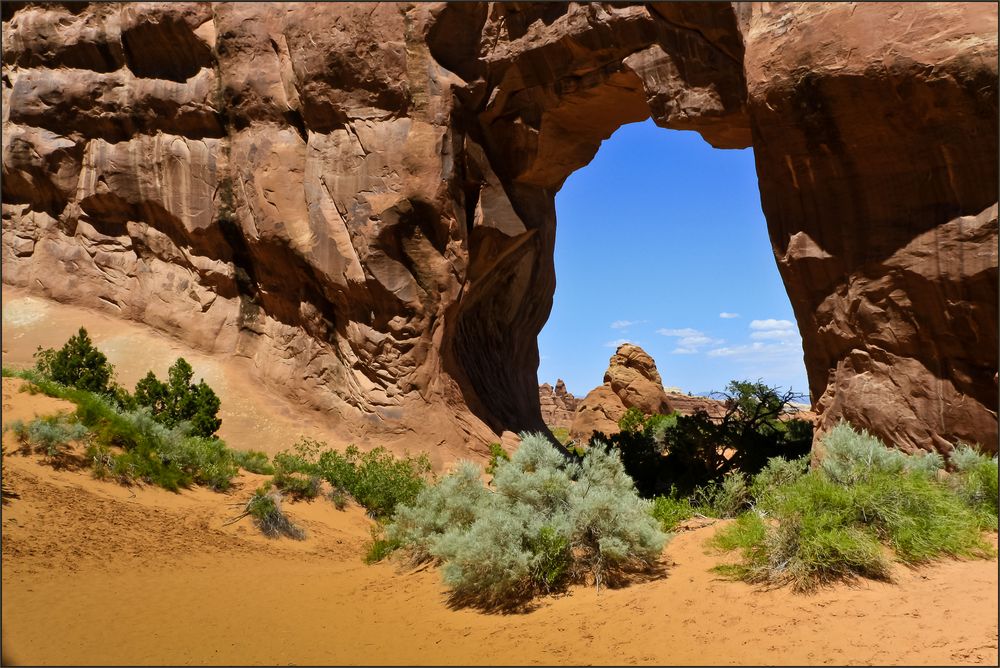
(533, 134)
(661, 242)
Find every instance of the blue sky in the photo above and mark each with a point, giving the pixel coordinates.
(661, 241)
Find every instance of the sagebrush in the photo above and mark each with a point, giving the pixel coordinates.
(543, 523)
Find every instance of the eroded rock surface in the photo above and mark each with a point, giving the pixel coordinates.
(360, 197)
(631, 381)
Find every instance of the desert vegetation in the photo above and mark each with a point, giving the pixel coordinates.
(265, 509)
(376, 480)
(680, 454)
(864, 504)
(541, 523)
(163, 434)
(549, 515)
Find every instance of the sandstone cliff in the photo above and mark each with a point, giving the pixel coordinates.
(359, 197)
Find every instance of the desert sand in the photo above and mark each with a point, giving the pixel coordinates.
(251, 415)
(96, 573)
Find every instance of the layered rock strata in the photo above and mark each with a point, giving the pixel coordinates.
(359, 197)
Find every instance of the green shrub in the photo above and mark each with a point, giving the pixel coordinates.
(670, 511)
(170, 457)
(339, 498)
(545, 522)
(831, 523)
(179, 400)
(380, 546)
(253, 461)
(297, 471)
(452, 504)
(376, 479)
(727, 498)
(50, 434)
(633, 421)
(102, 460)
(778, 473)
(77, 364)
(206, 460)
(927, 464)
(384, 482)
(687, 452)
(265, 509)
(496, 454)
(975, 482)
(965, 457)
(561, 434)
(297, 485)
(851, 456)
(339, 468)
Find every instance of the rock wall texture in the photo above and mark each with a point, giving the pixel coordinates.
(359, 197)
(558, 405)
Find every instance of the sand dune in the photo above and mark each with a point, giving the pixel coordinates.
(95, 573)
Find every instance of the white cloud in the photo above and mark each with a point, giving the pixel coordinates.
(780, 334)
(687, 331)
(625, 324)
(728, 316)
(771, 323)
(618, 342)
(697, 340)
(689, 341)
(755, 350)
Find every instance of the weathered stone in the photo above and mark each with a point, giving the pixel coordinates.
(557, 404)
(631, 381)
(360, 197)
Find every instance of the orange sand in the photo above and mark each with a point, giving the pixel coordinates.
(251, 415)
(94, 573)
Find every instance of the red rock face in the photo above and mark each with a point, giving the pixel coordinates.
(359, 197)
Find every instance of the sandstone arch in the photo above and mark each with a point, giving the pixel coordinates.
(360, 197)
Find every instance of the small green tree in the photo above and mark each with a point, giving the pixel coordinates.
(77, 364)
(179, 400)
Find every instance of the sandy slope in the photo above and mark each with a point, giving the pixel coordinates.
(254, 415)
(95, 573)
(251, 415)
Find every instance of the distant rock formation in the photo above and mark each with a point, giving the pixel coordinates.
(558, 404)
(631, 381)
(359, 197)
(688, 404)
